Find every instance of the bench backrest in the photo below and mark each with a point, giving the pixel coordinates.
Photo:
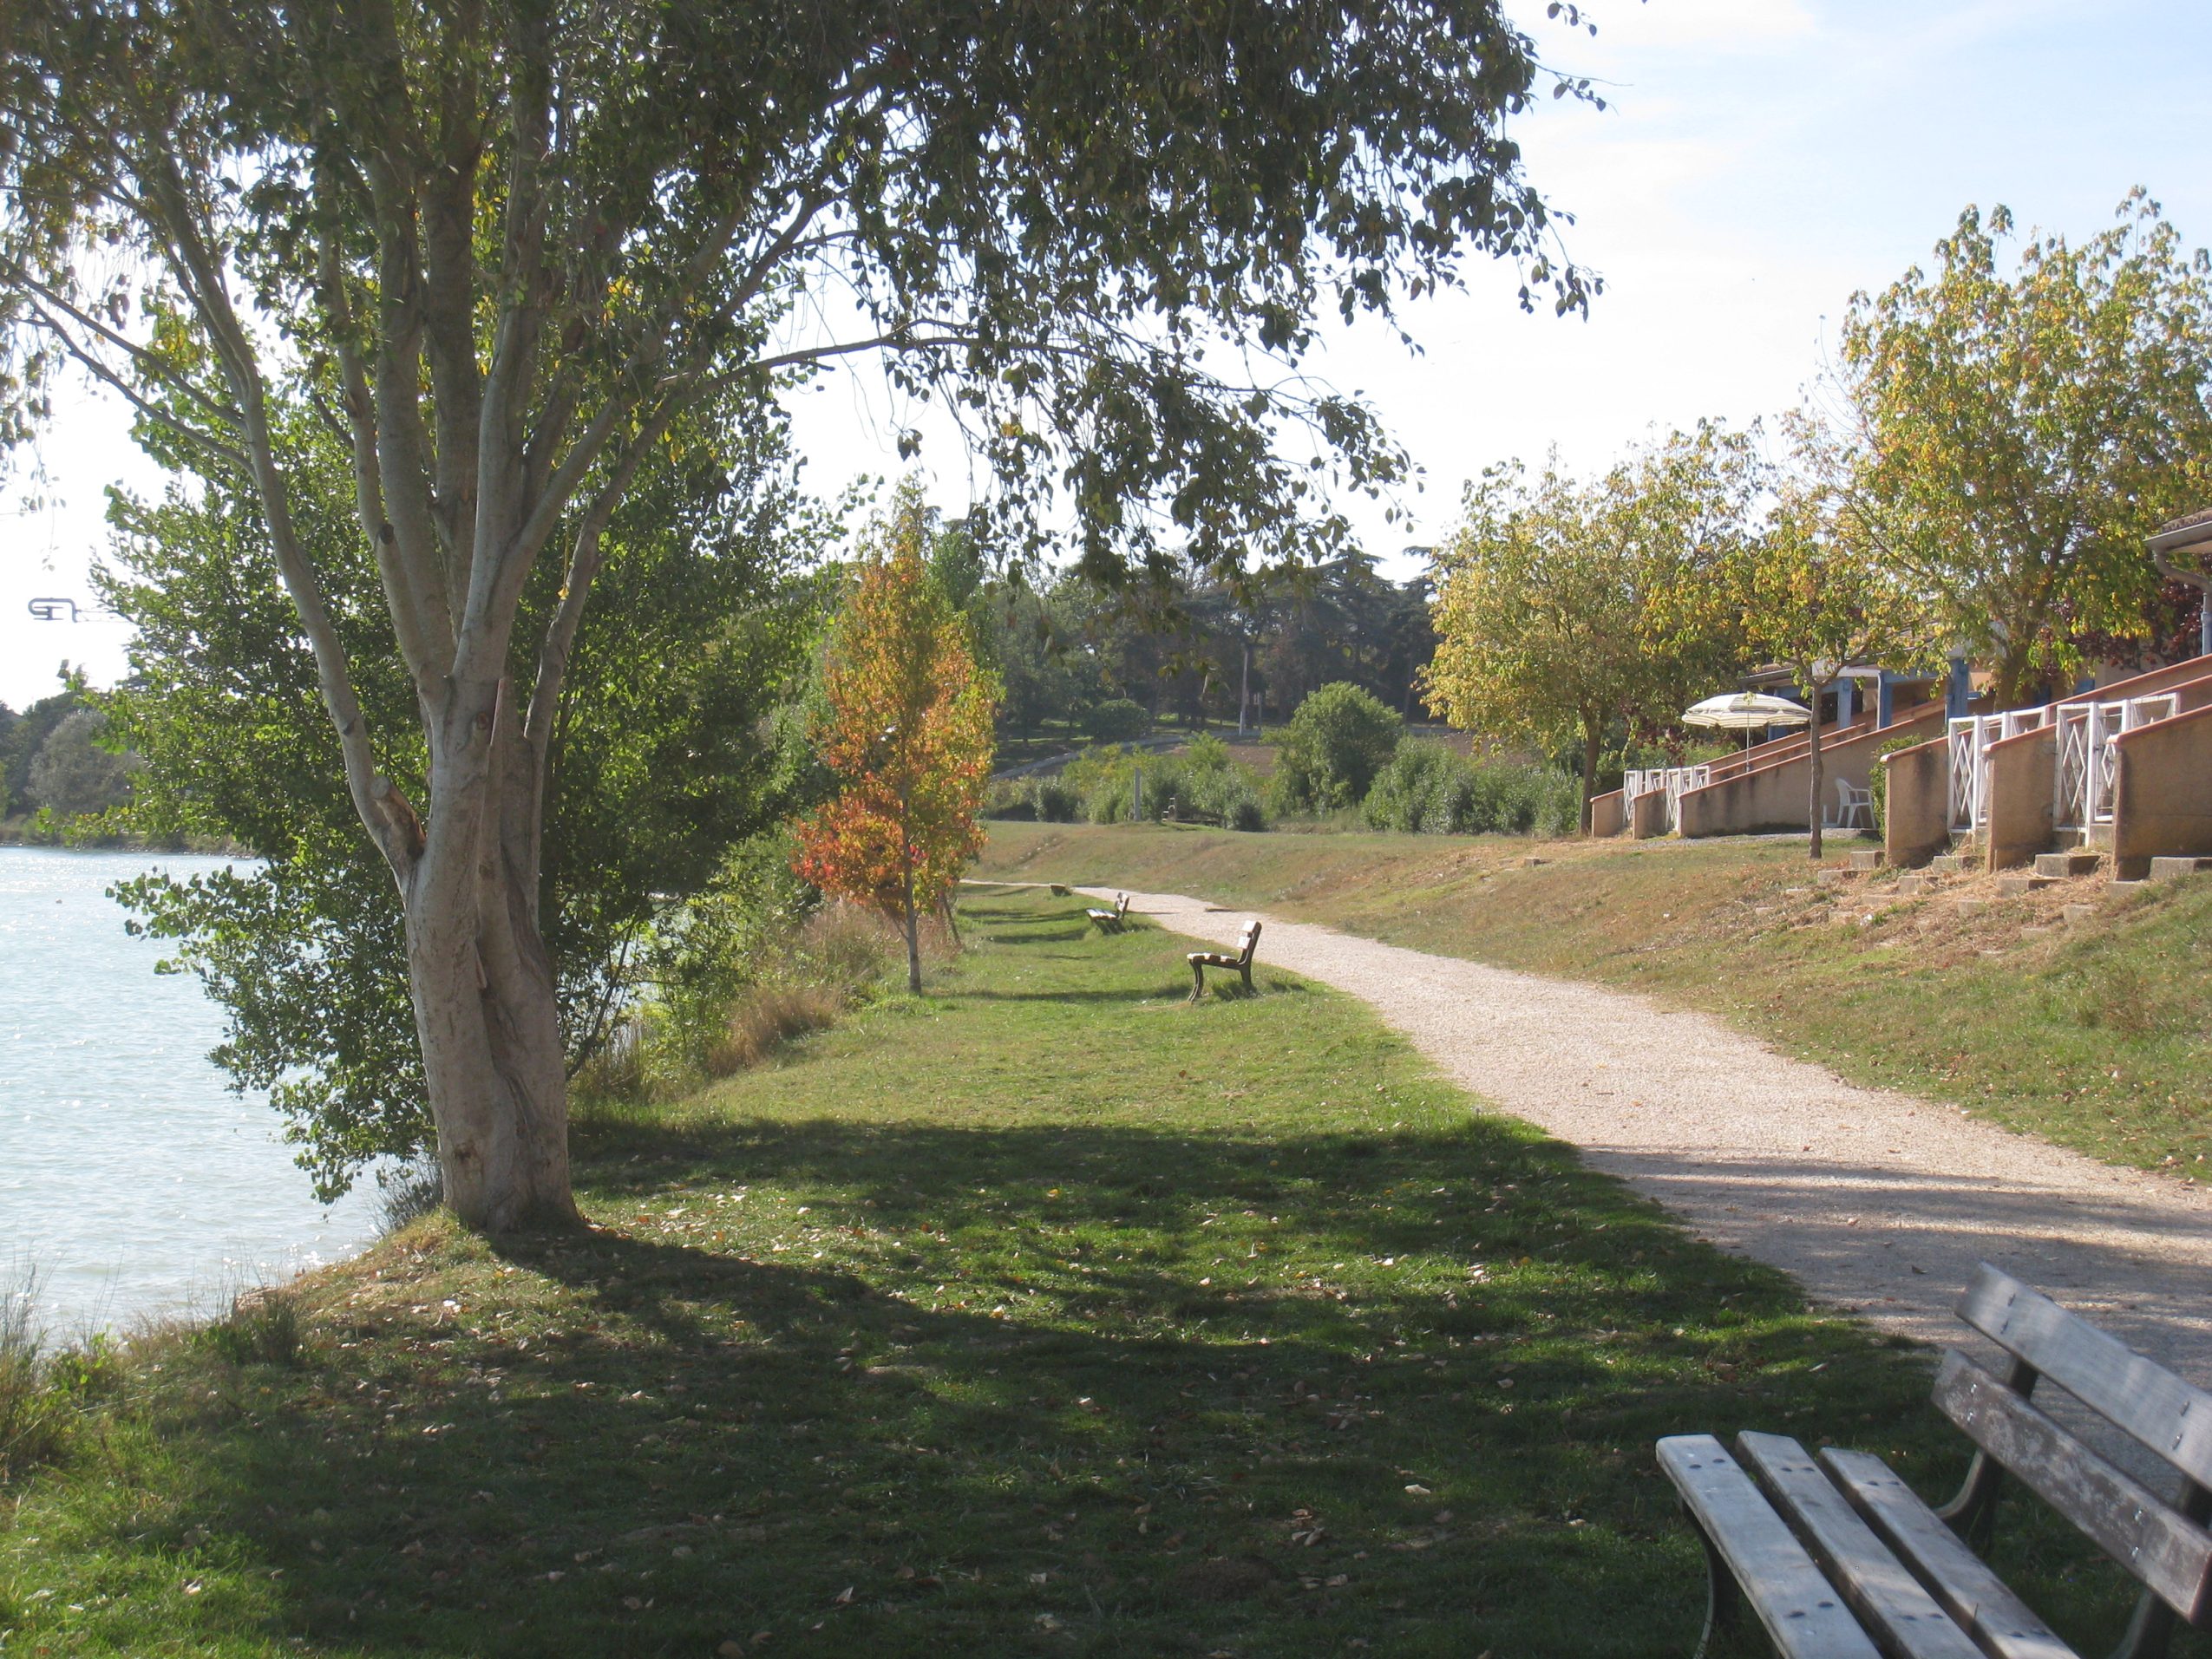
(1249, 942)
(2165, 1546)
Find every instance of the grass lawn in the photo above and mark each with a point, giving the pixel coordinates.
(2098, 1036)
(1044, 1314)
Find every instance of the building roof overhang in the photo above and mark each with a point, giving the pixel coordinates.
(2192, 530)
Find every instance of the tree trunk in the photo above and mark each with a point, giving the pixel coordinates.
(1813, 735)
(482, 983)
(914, 927)
(1593, 738)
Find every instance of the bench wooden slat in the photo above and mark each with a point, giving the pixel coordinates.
(1900, 1614)
(2136, 1395)
(1800, 1611)
(2169, 1553)
(1976, 1598)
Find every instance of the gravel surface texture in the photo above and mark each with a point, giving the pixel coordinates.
(1877, 1202)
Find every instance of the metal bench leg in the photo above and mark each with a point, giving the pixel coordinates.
(1723, 1600)
(1972, 1514)
(1197, 980)
(2149, 1631)
(1245, 967)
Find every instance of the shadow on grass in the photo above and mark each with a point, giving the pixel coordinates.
(896, 1388)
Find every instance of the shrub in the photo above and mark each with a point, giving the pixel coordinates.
(755, 961)
(1116, 721)
(767, 1016)
(1336, 743)
(1430, 789)
(1878, 781)
(35, 1415)
(1054, 802)
(417, 1189)
(1009, 798)
(821, 967)
(263, 1329)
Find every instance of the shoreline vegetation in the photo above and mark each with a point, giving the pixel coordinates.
(870, 1346)
(26, 831)
(2095, 1033)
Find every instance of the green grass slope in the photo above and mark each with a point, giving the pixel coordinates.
(1043, 1314)
(2097, 1035)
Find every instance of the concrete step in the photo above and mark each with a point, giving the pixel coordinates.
(1948, 863)
(2172, 869)
(1864, 863)
(1913, 884)
(2077, 914)
(1969, 906)
(2082, 861)
(1829, 877)
(2037, 932)
(2021, 882)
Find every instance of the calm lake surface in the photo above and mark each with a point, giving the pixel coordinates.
(131, 1177)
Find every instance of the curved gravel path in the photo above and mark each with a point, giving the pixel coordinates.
(1876, 1202)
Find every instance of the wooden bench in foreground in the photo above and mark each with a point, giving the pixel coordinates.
(1114, 920)
(1202, 960)
(1839, 1559)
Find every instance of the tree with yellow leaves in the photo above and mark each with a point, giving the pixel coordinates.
(907, 728)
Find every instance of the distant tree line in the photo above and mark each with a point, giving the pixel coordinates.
(1080, 661)
(55, 757)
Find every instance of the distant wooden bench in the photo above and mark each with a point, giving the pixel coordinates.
(1114, 920)
(1202, 960)
(1839, 1559)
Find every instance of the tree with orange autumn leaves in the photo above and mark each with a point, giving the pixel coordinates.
(908, 731)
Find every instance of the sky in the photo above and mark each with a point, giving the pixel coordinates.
(1757, 162)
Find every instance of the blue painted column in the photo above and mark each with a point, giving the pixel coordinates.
(1847, 701)
(1958, 691)
(1885, 699)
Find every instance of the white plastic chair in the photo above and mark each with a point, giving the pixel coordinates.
(1854, 806)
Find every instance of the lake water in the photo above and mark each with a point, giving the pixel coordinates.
(131, 1178)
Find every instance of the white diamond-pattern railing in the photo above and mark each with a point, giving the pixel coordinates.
(2070, 801)
(2107, 721)
(1971, 737)
(1671, 780)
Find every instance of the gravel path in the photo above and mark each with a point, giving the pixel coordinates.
(1876, 1202)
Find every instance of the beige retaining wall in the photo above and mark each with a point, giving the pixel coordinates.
(2162, 799)
(1776, 797)
(1916, 818)
(2023, 780)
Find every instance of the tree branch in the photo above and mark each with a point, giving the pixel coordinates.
(423, 643)
(384, 812)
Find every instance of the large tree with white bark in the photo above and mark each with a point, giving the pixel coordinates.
(521, 239)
